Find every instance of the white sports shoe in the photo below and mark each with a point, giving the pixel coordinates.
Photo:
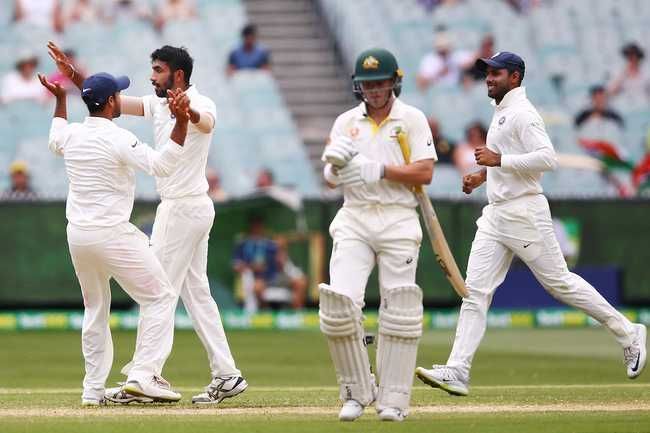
(157, 389)
(220, 389)
(391, 414)
(635, 354)
(351, 410)
(445, 378)
(91, 402)
(118, 395)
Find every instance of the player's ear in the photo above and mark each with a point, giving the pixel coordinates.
(179, 76)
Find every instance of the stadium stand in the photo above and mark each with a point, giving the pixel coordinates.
(254, 126)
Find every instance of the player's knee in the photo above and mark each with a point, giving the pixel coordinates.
(401, 312)
(477, 299)
(339, 315)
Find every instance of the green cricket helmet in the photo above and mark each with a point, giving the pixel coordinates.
(376, 64)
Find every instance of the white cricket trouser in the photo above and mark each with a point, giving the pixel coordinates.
(180, 241)
(121, 252)
(522, 226)
(363, 235)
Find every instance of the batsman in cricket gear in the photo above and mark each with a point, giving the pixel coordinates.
(378, 223)
(517, 221)
(100, 159)
(185, 214)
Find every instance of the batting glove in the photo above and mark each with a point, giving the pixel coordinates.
(330, 175)
(340, 152)
(361, 171)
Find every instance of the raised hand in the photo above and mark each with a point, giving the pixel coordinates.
(54, 88)
(62, 61)
(179, 105)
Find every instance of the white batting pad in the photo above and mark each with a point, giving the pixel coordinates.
(400, 328)
(341, 322)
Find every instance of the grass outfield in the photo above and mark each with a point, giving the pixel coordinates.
(523, 381)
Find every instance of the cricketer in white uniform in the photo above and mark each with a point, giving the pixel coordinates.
(100, 159)
(517, 221)
(378, 223)
(185, 215)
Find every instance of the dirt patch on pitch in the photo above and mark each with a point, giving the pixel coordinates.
(158, 410)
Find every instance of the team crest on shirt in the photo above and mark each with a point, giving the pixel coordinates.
(502, 120)
(395, 132)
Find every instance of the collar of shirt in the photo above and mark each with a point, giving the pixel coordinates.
(396, 113)
(511, 98)
(97, 121)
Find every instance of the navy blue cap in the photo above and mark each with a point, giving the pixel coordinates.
(97, 88)
(502, 60)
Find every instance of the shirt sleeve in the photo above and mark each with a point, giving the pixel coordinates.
(540, 154)
(420, 138)
(58, 135)
(204, 106)
(147, 105)
(136, 154)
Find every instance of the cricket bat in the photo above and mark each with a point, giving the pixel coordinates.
(438, 242)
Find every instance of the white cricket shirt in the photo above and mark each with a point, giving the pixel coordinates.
(379, 142)
(100, 158)
(517, 132)
(189, 180)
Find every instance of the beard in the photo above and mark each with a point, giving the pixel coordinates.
(161, 91)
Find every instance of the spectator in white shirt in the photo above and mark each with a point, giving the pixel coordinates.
(22, 83)
(40, 13)
(633, 82)
(443, 67)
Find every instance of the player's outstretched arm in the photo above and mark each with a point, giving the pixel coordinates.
(59, 121)
(131, 105)
(416, 173)
(64, 64)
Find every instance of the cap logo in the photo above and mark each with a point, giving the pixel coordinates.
(496, 55)
(370, 63)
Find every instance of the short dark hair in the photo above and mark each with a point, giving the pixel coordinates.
(597, 88)
(521, 73)
(93, 107)
(249, 30)
(177, 59)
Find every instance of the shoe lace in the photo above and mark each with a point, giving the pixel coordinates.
(630, 354)
(160, 381)
(447, 372)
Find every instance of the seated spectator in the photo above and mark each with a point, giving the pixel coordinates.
(290, 279)
(633, 82)
(464, 159)
(524, 6)
(264, 179)
(59, 77)
(129, 10)
(175, 10)
(20, 188)
(40, 13)
(254, 261)
(215, 192)
(444, 147)
(444, 66)
(250, 55)
(22, 83)
(84, 11)
(485, 51)
(599, 110)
